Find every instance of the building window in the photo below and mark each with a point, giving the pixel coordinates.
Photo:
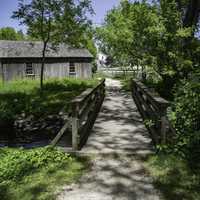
(72, 69)
(29, 69)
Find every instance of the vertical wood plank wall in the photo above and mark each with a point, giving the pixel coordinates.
(54, 70)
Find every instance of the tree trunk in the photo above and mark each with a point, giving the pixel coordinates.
(42, 73)
(43, 65)
(192, 14)
(2, 71)
(168, 85)
(144, 75)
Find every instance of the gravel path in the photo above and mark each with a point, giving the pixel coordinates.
(119, 143)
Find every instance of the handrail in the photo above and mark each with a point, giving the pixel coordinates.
(153, 109)
(85, 108)
(157, 101)
(84, 95)
(60, 133)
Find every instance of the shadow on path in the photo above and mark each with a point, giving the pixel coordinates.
(118, 144)
(119, 127)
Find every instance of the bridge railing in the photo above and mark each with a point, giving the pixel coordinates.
(153, 109)
(85, 109)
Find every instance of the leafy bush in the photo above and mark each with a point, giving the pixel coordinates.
(38, 173)
(185, 116)
(160, 87)
(15, 164)
(12, 104)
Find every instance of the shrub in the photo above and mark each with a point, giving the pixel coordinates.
(185, 116)
(15, 164)
(37, 174)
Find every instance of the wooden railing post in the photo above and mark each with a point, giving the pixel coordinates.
(163, 130)
(75, 126)
(85, 108)
(164, 122)
(153, 107)
(2, 72)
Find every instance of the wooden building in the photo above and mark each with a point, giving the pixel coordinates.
(22, 59)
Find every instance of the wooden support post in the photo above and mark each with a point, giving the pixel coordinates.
(75, 127)
(164, 122)
(2, 73)
(85, 108)
(60, 134)
(152, 106)
(163, 129)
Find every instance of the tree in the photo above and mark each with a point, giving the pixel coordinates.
(190, 10)
(152, 36)
(124, 35)
(53, 22)
(9, 33)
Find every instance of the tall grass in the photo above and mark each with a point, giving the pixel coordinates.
(24, 96)
(174, 178)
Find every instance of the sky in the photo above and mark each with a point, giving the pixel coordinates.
(8, 6)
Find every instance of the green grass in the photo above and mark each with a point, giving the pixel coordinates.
(125, 81)
(174, 178)
(37, 174)
(100, 74)
(24, 96)
(126, 84)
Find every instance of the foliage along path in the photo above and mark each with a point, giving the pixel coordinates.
(118, 144)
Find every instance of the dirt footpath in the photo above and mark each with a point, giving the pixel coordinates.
(119, 143)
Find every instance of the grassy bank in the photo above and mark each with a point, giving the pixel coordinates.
(36, 174)
(126, 84)
(175, 170)
(24, 97)
(174, 178)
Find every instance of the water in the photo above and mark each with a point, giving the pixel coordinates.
(31, 145)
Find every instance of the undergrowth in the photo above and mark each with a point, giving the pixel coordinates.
(36, 174)
(25, 97)
(174, 177)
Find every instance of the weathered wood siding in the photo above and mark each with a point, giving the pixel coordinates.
(52, 70)
(13, 71)
(84, 70)
(57, 70)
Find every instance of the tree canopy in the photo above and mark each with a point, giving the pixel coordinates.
(153, 35)
(163, 38)
(55, 21)
(9, 33)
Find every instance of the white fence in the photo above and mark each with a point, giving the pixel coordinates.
(112, 72)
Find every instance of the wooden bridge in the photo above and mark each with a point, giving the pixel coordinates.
(115, 111)
(119, 141)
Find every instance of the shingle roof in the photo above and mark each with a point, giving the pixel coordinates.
(29, 49)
